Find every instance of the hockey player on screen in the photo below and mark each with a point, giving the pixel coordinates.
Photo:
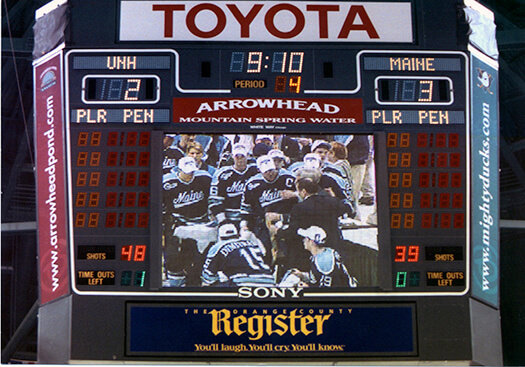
(228, 185)
(234, 261)
(185, 202)
(326, 267)
(263, 196)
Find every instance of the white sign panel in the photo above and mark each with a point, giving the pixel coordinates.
(266, 21)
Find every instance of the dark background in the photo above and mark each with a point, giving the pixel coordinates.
(19, 249)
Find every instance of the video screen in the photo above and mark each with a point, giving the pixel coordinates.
(269, 211)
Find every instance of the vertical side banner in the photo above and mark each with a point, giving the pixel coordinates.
(485, 178)
(51, 184)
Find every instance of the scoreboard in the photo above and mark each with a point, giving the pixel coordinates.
(125, 260)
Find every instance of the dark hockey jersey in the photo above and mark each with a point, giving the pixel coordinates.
(226, 191)
(236, 262)
(172, 155)
(261, 196)
(187, 202)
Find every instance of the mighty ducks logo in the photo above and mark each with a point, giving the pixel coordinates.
(485, 80)
(48, 78)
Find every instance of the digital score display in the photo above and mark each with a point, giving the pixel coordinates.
(102, 89)
(114, 142)
(413, 90)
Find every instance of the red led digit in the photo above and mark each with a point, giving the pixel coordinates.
(424, 179)
(95, 139)
(426, 199)
(443, 179)
(131, 177)
(446, 219)
(144, 159)
(140, 253)
(455, 159)
(129, 222)
(422, 139)
(112, 179)
(144, 139)
(130, 199)
(111, 199)
(143, 199)
(413, 253)
(426, 220)
(400, 254)
(457, 200)
(144, 179)
(131, 159)
(112, 159)
(391, 140)
(456, 180)
(442, 159)
(131, 141)
(126, 253)
(143, 220)
(111, 220)
(422, 160)
(112, 139)
(453, 140)
(392, 159)
(444, 200)
(459, 220)
(441, 140)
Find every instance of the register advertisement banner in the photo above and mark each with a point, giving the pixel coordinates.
(284, 331)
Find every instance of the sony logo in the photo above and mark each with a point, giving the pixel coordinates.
(269, 292)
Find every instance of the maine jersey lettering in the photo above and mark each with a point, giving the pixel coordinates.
(261, 196)
(327, 270)
(236, 262)
(187, 202)
(226, 191)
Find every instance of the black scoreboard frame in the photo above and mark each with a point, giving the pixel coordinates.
(420, 305)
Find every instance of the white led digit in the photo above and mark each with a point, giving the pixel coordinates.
(254, 62)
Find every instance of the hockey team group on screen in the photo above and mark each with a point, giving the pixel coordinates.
(262, 210)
